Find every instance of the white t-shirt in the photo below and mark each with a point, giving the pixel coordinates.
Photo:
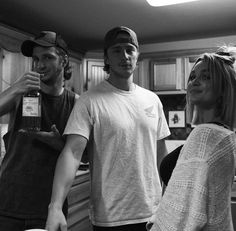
(122, 128)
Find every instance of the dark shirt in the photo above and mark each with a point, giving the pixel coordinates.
(27, 170)
(168, 164)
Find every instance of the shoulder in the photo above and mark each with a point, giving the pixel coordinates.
(147, 94)
(146, 91)
(210, 131)
(205, 140)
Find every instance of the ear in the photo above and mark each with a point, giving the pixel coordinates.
(138, 55)
(65, 60)
(106, 61)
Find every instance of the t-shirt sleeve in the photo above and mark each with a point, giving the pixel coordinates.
(163, 129)
(80, 120)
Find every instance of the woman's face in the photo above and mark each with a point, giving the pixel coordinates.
(200, 90)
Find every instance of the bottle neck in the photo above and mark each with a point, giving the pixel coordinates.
(33, 93)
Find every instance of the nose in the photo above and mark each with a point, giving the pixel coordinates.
(195, 79)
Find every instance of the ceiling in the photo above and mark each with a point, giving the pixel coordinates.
(83, 23)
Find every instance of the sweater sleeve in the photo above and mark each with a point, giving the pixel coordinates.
(184, 203)
(183, 206)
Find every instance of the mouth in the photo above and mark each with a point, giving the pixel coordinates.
(194, 91)
(42, 75)
(126, 66)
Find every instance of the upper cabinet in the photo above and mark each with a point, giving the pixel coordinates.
(95, 72)
(167, 74)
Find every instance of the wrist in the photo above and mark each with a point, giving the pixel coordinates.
(55, 205)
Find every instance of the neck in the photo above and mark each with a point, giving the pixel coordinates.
(125, 84)
(55, 90)
(209, 115)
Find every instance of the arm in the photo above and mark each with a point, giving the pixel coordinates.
(161, 151)
(67, 165)
(184, 203)
(8, 98)
(52, 138)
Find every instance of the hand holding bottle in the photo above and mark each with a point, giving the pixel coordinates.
(28, 82)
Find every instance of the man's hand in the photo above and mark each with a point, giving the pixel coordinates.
(10, 97)
(56, 220)
(28, 82)
(52, 138)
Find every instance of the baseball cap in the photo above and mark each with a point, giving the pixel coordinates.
(111, 37)
(44, 39)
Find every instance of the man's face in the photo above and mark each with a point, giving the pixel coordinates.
(122, 58)
(48, 62)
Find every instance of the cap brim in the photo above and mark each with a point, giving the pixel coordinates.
(28, 46)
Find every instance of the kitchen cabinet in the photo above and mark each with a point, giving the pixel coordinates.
(167, 74)
(95, 72)
(168, 71)
(78, 200)
(76, 82)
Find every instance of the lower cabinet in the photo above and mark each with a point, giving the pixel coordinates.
(78, 200)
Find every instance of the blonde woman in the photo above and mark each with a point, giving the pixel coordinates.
(198, 195)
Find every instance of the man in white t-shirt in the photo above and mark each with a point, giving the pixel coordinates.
(124, 126)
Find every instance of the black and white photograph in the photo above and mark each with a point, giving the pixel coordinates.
(117, 115)
(176, 119)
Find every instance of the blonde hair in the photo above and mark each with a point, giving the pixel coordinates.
(223, 80)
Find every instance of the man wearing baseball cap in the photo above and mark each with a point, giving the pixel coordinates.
(26, 173)
(123, 124)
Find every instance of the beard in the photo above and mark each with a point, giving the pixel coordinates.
(52, 78)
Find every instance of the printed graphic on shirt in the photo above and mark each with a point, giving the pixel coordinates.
(149, 112)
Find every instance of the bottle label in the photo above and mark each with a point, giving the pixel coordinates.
(30, 106)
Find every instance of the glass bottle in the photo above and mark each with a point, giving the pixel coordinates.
(31, 111)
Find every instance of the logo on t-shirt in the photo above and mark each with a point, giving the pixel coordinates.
(149, 112)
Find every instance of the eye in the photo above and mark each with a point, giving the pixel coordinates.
(116, 50)
(191, 77)
(205, 77)
(47, 57)
(130, 50)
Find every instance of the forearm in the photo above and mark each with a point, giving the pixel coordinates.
(64, 175)
(8, 99)
(67, 165)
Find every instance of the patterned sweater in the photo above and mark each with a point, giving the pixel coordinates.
(198, 196)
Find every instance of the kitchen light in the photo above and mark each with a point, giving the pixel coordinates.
(167, 2)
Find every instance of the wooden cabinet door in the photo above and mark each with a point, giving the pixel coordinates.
(95, 72)
(167, 75)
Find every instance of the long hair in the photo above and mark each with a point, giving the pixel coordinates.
(67, 68)
(223, 80)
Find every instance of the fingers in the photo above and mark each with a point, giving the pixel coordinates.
(32, 79)
(54, 128)
(28, 82)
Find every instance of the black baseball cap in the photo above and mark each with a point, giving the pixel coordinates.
(111, 37)
(44, 39)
